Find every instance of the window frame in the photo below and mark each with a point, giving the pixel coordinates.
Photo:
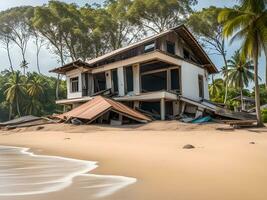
(173, 45)
(72, 81)
(201, 86)
(151, 48)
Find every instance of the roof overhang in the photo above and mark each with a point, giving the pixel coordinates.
(78, 64)
(150, 96)
(187, 36)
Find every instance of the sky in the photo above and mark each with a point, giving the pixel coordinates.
(48, 61)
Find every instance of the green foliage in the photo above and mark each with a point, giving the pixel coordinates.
(240, 72)
(264, 115)
(159, 15)
(247, 22)
(206, 27)
(31, 94)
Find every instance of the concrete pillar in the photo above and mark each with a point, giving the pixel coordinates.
(108, 79)
(121, 86)
(120, 118)
(136, 79)
(176, 108)
(136, 104)
(162, 109)
(168, 80)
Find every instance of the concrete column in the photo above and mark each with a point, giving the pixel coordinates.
(168, 80)
(108, 79)
(121, 86)
(80, 83)
(136, 79)
(136, 104)
(162, 109)
(176, 108)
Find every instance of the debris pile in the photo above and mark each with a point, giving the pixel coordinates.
(103, 110)
(25, 121)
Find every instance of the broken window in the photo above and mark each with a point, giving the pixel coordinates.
(154, 81)
(99, 82)
(74, 84)
(129, 78)
(114, 77)
(201, 86)
(175, 80)
(149, 47)
(170, 47)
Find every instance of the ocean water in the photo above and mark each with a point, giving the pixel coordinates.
(24, 175)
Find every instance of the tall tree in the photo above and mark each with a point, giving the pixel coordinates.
(247, 22)
(46, 21)
(159, 15)
(240, 73)
(122, 30)
(16, 21)
(206, 27)
(15, 90)
(6, 41)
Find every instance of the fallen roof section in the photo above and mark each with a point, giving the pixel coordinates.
(98, 106)
(218, 110)
(20, 120)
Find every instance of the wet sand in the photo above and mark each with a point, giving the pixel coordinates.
(223, 166)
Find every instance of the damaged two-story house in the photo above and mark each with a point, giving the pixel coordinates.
(165, 74)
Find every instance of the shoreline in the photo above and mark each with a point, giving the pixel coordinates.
(224, 165)
(85, 171)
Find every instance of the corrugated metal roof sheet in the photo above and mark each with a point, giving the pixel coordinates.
(99, 106)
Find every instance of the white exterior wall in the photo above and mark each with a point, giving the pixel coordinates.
(72, 74)
(189, 76)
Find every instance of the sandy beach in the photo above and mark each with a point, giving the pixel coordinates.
(223, 166)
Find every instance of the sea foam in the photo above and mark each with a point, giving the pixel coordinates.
(24, 173)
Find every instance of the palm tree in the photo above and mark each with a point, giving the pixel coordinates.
(35, 86)
(215, 87)
(247, 22)
(15, 90)
(240, 73)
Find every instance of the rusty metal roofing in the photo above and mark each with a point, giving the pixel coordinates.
(99, 106)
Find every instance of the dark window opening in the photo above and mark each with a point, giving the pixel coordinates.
(186, 54)
(74, 84)
(149, 47)
(170, 47)
(85, 82)
(114, 77)
(175, 80)
(99, 82)
(201, 86)
(154, 109)
(129, 79)
(154, 82)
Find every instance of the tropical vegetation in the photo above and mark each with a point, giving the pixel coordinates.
(73, 32)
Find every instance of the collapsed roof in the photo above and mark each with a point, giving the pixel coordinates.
(99, 106)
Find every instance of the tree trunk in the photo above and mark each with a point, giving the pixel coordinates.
(257, 90)
(37, 58)
(18, 110)
(226, 79)
(9, 57)
(241, 99)
(265, 52)
(10, 111)
(57, 87)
